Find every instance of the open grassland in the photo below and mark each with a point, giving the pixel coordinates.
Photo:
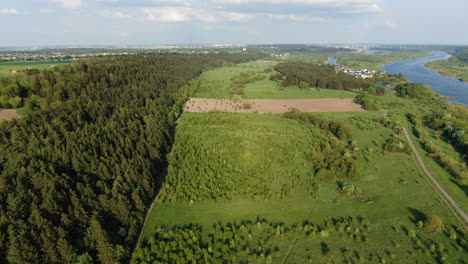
(376, 225)
(253, 82)
(400, 108)
(7, 67)
(200, 105)
(452, 67)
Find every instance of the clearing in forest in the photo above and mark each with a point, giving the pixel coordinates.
(8, 114)
(199, 105)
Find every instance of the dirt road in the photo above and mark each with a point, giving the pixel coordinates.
(459, 213)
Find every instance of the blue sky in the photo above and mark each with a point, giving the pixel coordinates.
(151, 22)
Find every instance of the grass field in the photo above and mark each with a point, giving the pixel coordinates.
(216, 84)
(242, 188)
(452, 67)
(399, 108)
(6, 67)
(394, 194)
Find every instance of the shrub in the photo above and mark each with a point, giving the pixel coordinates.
(367, 101)
(434, 224)
(246, 105)
(414, 90)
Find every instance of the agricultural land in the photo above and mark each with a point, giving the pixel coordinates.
(301, 186)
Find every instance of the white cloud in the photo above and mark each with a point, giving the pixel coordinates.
(348, 6)
(203, 16)
(246, 17)
(373, 8)
(390, 24)
(72, 4)
(294, 17)
(172, 2)
(45, 11)
(167, 14)
(109, 1)
(239, 17)
(120, 15)
(10, 11)
(175, 14)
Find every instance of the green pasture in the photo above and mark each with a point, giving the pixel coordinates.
(216, 84)
(6, 67)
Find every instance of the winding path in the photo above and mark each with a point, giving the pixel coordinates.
(453, 205)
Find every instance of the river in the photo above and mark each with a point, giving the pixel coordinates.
(415, 71)
(331, 61)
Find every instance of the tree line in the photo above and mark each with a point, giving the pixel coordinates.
(77, 176)
(321, 76)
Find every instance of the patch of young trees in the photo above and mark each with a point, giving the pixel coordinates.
(320, 76)
(414, 90)
(452, 128)
(453, 123)
(239, 82)
(219, 157)
(77, 176)
(242, 241)
(367, 101)
(333, 161)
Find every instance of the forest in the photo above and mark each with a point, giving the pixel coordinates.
(414, 90)
(462, 54)
(77, 175)
(305, 74)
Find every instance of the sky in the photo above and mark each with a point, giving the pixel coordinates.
(166, 22)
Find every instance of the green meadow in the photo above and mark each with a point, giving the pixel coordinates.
(7, 67)
(217, 84)
(452, 67)
(245, 188)
(395, 196)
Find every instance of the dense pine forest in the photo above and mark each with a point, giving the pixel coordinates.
(77, 175)
(321, 76)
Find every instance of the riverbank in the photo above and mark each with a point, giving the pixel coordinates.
(452, 67)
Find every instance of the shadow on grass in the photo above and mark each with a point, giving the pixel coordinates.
(416, 215)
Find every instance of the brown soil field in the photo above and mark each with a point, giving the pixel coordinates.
(199, 105)
(8, 114)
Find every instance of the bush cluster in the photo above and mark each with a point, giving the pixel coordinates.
(242, 241)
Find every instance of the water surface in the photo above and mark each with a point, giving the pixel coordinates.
(331, 61)
(415, 71)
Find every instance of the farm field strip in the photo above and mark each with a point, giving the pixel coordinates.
(200, 105)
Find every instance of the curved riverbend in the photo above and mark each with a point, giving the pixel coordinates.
(415, 71)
